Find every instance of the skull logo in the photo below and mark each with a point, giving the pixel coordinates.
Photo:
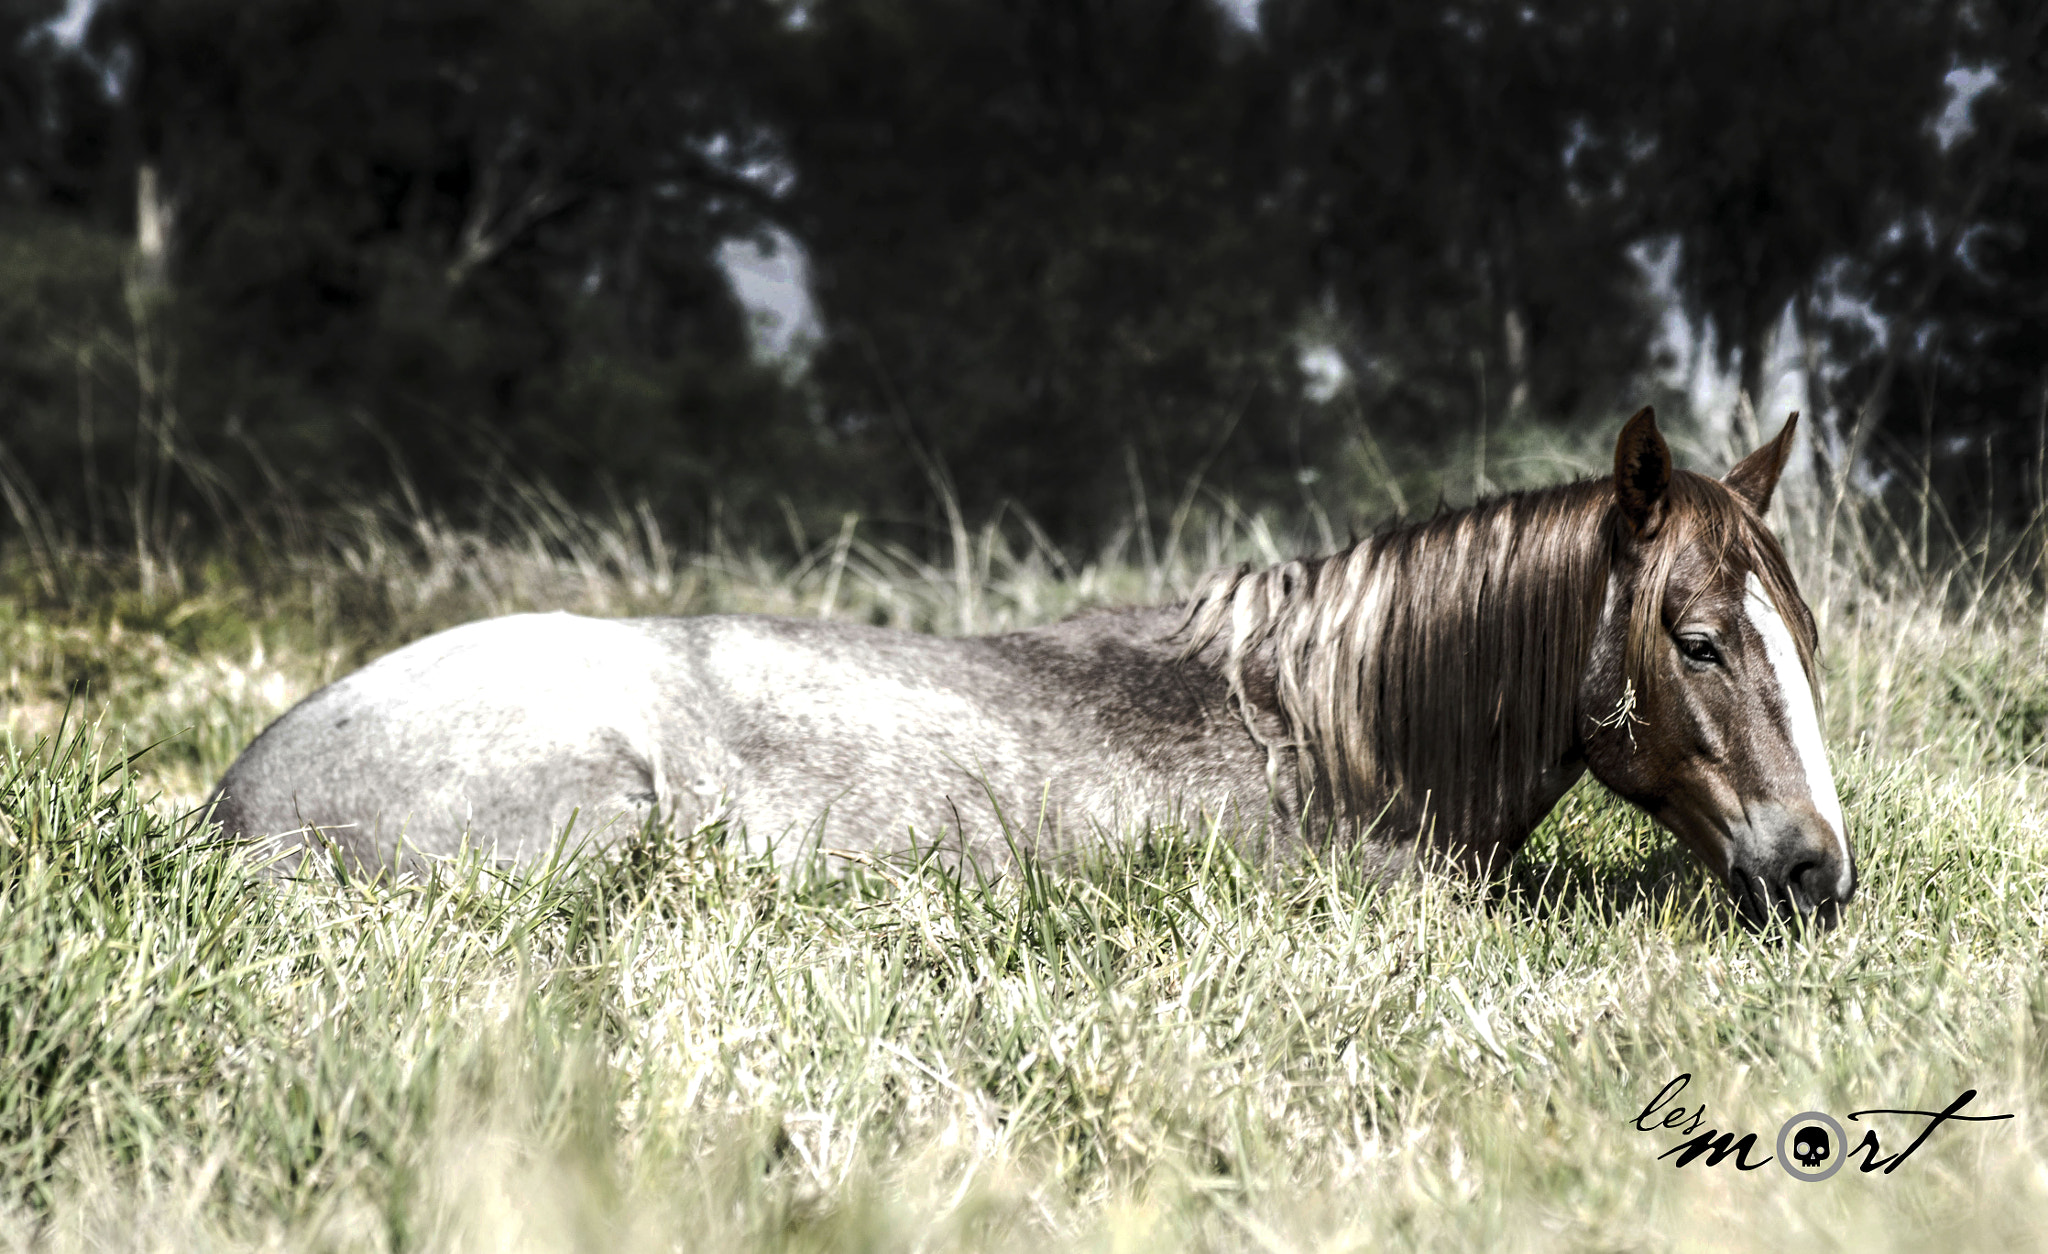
(1811, 1147)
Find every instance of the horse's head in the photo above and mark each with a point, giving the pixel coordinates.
(1699, 696)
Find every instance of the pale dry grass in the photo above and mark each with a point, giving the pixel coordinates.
(1167, 1049)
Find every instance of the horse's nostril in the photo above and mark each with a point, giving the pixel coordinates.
(1817, 880)
(1812, 885)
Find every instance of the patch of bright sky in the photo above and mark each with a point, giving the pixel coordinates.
(773, 284)
(1244, 12)
(1322, 366)
(1964, 86)
(70, 28)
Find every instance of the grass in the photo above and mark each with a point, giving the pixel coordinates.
(1166, 1048)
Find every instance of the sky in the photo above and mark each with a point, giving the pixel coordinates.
(71, 27)
(773, 285)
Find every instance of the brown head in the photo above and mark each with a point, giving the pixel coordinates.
(1699, 694)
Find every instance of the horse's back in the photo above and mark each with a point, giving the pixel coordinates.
(844, 736)
(800, 733)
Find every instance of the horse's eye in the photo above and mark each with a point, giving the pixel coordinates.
(1699, 649)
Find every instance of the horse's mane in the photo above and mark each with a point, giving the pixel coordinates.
(1426, 677)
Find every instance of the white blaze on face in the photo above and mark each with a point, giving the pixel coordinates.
(1799, 714)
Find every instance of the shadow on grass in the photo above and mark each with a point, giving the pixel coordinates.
(1598, 859)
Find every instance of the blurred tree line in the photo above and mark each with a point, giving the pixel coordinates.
(1068, 256)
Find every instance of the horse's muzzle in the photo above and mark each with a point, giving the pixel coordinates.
(1794, 881)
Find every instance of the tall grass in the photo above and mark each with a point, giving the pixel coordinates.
(1166, 1048)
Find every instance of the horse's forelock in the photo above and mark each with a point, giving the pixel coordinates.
(1703, 515)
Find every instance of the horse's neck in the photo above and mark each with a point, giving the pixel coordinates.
(1477, 626)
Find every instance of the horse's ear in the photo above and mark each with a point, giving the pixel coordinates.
(1756, 476)
(1642, 472)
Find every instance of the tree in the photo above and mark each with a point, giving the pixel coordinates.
(1046, 246)
(1781, 140)
(456, 233)
(1454, 167)
(1943, 355)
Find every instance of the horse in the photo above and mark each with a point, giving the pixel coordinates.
(1426, 694)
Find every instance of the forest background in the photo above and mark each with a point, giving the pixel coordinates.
(1037, 262)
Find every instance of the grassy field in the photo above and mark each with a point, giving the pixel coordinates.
(1166, 1049)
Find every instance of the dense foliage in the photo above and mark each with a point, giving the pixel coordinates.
(1067, 255)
